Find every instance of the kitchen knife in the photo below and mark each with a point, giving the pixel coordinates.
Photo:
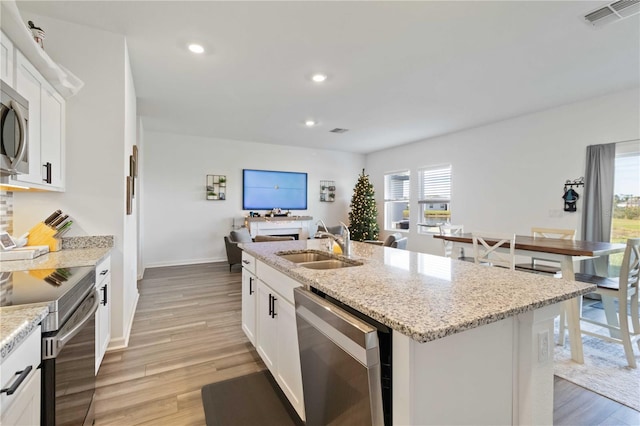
(52, 216)
(58, 220)
(61, 223)
(63, 229)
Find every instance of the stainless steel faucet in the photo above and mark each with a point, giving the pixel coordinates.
(344, 242)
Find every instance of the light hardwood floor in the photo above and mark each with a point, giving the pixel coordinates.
(187, 333)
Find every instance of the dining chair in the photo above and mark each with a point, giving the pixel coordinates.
(624, 291)
(453, 230)
(486, 245)
(545, 268)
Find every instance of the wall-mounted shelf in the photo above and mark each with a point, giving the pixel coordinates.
(216, 187)
(327, 190)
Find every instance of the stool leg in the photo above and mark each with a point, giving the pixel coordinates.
(612, 316)
(563, 326)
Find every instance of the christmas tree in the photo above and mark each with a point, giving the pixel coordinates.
(363, 224)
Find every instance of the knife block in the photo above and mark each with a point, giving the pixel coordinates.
(43, 235)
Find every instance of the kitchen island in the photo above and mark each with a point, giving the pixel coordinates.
(471, 344)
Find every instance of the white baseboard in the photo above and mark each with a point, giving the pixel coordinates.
(185, 262)
(123, 342)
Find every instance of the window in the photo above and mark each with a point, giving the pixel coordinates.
(396, 200)
(435, 198)
(626, 205)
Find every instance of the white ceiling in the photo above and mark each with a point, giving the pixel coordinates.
(398, 71)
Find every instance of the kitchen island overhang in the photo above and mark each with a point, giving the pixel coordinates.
(472, 344)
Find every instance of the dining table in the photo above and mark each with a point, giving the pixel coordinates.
(563, 251)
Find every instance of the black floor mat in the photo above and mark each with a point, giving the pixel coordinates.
(255, 399)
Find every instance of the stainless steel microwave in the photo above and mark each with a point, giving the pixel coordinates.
(14, 134)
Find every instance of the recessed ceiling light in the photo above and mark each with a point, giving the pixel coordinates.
(310, 123)
(196, 48)
(319, 78)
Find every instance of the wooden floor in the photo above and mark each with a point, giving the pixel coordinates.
(186, 334)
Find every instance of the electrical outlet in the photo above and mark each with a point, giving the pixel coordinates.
(543, 346)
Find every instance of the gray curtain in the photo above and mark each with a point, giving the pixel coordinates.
(598, 201)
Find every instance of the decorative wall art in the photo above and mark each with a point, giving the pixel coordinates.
(216, 188)
(570, 196)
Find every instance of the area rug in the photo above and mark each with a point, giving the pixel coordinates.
(254, 399)
(605, 370)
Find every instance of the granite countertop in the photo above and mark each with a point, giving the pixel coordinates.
(17, 322)
(422, 296)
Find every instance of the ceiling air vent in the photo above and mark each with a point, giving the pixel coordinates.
(339, 130)
(613, 12)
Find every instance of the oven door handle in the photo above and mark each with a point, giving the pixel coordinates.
(75, 330)
(51, 346)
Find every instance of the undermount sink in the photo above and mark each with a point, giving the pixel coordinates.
(328, 264)
(317, 260)
(306, 257)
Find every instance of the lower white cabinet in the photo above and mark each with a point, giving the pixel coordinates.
(20, 371)
(277, 336)
(103, 314)
(249, 285)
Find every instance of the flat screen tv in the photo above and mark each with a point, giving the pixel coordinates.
(268, 189)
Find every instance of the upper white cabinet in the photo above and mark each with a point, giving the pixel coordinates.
(46, 128)
(27, 68)
(6, 59)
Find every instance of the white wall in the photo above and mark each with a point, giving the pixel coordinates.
(509, 176)
(100, 130)
(182, 227)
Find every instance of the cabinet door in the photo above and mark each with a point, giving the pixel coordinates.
(6, 59)
(249, 284)
(29, 85)
(289, 374)
(267, 331)
(52, 140)
(25, 409)
(103, 315)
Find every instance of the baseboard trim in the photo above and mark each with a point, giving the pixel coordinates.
(185, 262)
(123, 342)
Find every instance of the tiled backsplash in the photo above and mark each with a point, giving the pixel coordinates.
(6, 211)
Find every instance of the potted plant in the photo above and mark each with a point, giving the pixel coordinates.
(211, 195)
(222, 179)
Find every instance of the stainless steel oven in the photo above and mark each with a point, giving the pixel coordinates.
(68, 337)
(14, 134)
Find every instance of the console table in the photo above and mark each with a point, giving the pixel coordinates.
(285, 225)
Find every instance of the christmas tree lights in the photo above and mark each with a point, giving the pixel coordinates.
(363, 217)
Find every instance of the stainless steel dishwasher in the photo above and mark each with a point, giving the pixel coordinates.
(340, 362)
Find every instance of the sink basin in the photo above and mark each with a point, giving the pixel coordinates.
(306, 257)
(328, 264)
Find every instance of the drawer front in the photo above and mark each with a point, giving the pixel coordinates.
(102, 270)
(25, 355)
(277, 281)
(249, 262)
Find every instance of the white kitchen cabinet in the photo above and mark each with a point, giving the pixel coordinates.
(46, 128)
(22, 407)
(249, 288)
(103, 314)
(6, 59)
(276, 332)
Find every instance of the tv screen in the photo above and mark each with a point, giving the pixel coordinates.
(267, 189)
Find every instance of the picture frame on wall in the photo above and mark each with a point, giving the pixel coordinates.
(129, 196)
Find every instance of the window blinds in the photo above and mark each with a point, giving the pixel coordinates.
(396, 187)
(435, 185)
